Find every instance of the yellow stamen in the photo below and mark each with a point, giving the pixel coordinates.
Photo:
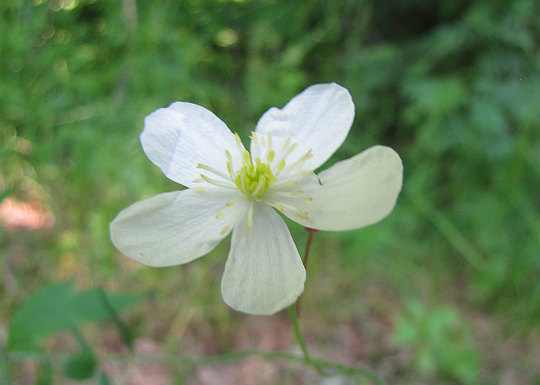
(247, 156)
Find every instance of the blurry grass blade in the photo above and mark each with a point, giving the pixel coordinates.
(120, 325)
(449, 230)
(529, 214)
(85, 346)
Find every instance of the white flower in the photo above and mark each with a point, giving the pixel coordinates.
(231, 189)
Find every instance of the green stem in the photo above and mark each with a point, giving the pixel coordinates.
(305, 262)
(300, 339)
(124, 331)
(318, 365)
(174, 360)
(308, 245)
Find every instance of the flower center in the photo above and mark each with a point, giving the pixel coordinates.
(266, 167)
(253, 178)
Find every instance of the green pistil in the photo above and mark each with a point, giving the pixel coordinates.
(254, 178)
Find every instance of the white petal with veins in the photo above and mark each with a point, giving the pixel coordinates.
(264, 272)
(174, 228)
(353, 193)
(319, 118)
(183, 135)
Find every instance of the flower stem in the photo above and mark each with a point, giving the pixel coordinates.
(294, 311)
(308, 245)
(317, 364)
(305, 261)
(301, 342)
(335, 368)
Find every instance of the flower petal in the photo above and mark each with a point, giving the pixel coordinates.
(179, 137)
(172, 228)
(353, 193)
(264, 272)
(319, 118)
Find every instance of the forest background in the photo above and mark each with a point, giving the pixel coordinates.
(446, 290)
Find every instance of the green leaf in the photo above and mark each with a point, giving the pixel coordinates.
(58, 307)
(81, 366)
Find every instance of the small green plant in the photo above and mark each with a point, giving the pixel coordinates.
(440, 341)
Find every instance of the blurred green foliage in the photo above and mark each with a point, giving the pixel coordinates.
(57, 307)
(453, 86)
(441, 341)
